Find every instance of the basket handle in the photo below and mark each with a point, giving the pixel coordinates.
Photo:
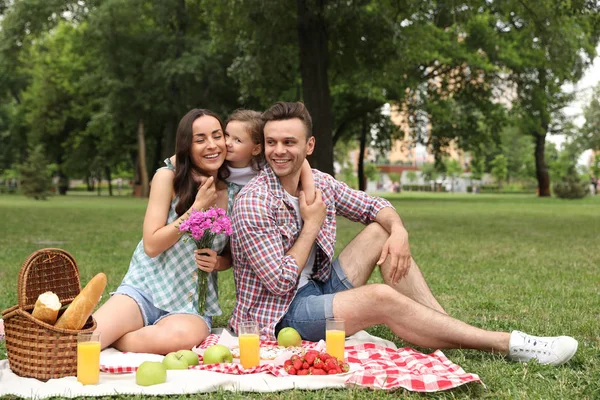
(45, 270)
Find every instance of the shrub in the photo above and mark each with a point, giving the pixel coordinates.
(570, 186)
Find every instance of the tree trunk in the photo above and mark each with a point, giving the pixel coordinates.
(314, 54)
(541, 169)
(89, 182)
(143, 170)
(361, 156)
(109, 179)
(168, 139)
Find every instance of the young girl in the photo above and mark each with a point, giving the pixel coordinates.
(245, 158)
(155, 309)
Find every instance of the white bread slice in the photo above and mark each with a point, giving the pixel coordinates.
(46, 307)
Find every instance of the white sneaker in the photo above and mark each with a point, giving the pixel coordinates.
(555, 350)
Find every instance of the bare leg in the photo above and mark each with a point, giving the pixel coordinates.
(119, 315)
(413, 286)
(359, 257)
(376, 304)
(172, 333)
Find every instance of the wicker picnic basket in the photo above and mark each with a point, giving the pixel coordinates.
(35, 348)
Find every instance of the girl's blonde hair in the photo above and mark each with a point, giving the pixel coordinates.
(254, 124)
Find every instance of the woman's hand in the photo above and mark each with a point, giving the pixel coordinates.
(207, 194)
(206, 260)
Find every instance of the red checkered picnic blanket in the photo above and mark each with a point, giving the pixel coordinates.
(380, 368)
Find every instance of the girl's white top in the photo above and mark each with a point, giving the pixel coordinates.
(241, 176)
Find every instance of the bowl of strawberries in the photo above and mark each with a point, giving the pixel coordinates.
(314, 362)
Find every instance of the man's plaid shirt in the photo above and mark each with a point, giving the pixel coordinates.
(265, 228)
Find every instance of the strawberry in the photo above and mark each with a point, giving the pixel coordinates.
(318, 363)
(297, 364)
(324, 356)
(305, 365)
(291, 370)
(318, 371)
(287, 362)
(294, 358)
(302, 372)
(310, 358)
(338, 370)
(331, 372)
(345, 367)
(330, 365)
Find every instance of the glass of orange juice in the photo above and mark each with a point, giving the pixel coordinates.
(335, 337)
(88, 358)
(249, 344)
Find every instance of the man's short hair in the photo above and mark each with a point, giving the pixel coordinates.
(285, 110)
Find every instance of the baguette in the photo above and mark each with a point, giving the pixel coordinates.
(82, 306)
(46, 308)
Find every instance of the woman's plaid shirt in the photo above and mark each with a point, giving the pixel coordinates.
(265, 228)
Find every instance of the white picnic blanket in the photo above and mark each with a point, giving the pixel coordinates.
(178, 381)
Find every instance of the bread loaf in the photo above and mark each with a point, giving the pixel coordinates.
(82, 306)
(46, 308)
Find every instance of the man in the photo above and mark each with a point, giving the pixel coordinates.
(285, 274)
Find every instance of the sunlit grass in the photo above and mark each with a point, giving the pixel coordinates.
(500, 262)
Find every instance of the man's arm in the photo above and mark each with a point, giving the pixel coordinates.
(396, 246)
(358, 206)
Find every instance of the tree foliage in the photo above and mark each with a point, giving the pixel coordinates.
(36, 174)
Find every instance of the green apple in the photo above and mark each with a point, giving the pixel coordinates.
(151, 373)
(190, 356)
(217, 353)
(289, 337)
(175, 361)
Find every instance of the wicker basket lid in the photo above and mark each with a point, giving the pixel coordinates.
(48, 270)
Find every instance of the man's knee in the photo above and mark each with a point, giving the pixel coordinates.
(380, 293)
(376, 231)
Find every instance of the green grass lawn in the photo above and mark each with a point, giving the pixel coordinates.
(499, 262)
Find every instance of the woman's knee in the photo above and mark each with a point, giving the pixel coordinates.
(186, 336)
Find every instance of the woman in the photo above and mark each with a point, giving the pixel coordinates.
(155, 309)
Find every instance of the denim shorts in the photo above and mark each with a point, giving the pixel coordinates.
(313, 304)
(150, 313)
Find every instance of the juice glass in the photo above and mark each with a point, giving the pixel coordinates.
(88, 358)
(249, 344)
(335, 337)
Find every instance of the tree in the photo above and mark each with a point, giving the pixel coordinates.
(411, 176)
(429, 172)
(327, 55)
(453, 170)
(36, 174)
(542, 47)
(477, 168)
(589, 135)
(571, 186)
(499, 169)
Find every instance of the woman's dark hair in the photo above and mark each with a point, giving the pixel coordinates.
(186, 187)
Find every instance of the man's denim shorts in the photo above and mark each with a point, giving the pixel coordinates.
(150, 314)
(313, 304)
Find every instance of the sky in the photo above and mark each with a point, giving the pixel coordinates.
(584, 89)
